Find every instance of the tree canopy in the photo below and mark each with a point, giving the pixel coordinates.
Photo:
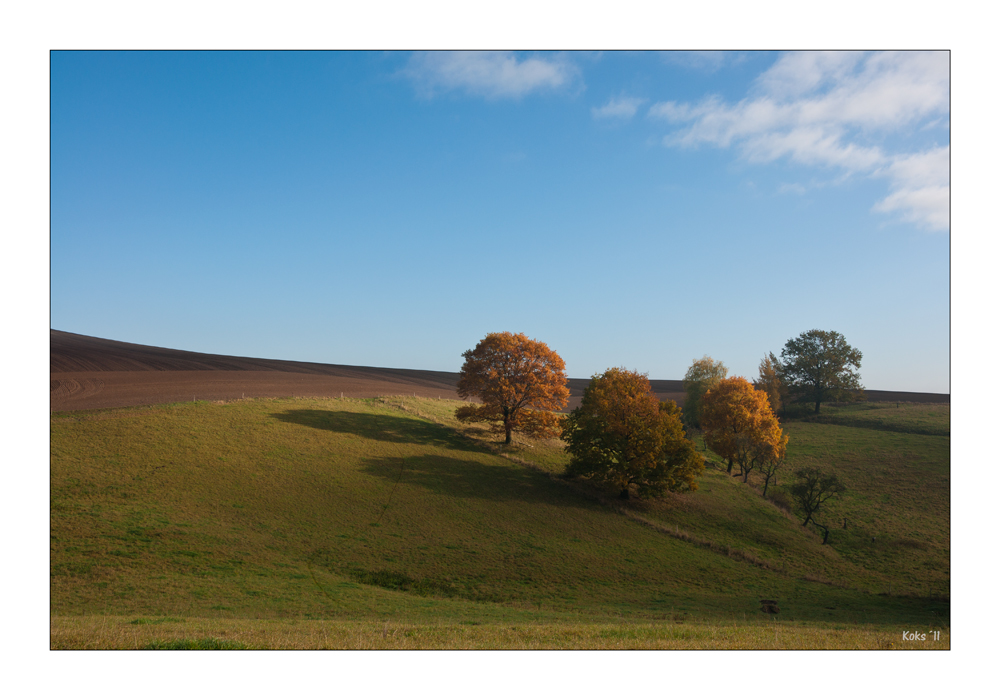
(518, 380)
(817, 367)
(812, 489)
(701, 376)
(769, 382)
(740, 426)
(623, 435)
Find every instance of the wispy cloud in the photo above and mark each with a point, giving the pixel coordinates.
(837, 110)
(792, 188)
(490, 74)
(620, 108)
(920, 188)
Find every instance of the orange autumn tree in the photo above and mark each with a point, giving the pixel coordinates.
(519, 381)
(623, 435)
(740, 426)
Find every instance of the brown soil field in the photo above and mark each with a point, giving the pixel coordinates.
(89, 373)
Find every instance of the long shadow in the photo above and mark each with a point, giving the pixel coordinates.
(469, 478)
(385, 428)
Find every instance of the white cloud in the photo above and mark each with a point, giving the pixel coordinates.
(621, 108)
(491, 74)
(925, 206)
(802, 72)
(920, 184)
(835, 109)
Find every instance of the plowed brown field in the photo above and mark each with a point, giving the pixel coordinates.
(91, 373)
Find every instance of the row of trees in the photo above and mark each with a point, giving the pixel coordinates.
(816, 367)
(623, 435)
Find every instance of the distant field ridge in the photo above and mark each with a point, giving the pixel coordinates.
(88, 373)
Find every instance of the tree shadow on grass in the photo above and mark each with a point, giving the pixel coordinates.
(400, 429)
(471, 478)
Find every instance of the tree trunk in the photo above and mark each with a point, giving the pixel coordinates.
(826, 531)
(817, 406)
(730, 469)
(767, 480)
(624, 494)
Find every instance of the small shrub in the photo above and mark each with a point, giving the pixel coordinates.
(384, 579)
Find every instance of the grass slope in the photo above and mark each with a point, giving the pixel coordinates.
(384, 513)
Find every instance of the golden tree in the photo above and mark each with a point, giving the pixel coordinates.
(624, 435)
(701, 376)
(740, 426)
(519, 381)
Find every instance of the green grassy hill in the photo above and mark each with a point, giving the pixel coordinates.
(397, 527)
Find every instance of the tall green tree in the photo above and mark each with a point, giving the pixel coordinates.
(702, 375)
(820, 366)
(623, 435)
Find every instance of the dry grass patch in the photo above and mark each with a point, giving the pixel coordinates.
(100, 632)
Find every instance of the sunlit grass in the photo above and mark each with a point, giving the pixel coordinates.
(101, 632)
(388, 512)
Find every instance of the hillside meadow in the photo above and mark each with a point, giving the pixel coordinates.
(383, 523)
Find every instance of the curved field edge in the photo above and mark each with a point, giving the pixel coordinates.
(370, 510)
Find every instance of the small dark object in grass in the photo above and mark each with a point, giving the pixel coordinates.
(770, 607)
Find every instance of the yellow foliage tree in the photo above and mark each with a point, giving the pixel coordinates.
(519, 381)
(624, 435)
(740, 426)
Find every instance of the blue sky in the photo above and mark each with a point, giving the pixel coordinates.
(389, 209)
